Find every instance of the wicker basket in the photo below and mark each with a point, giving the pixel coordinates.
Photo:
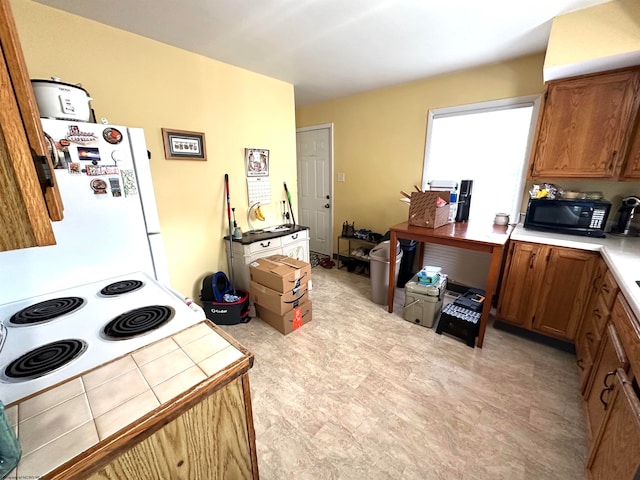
(424, 210)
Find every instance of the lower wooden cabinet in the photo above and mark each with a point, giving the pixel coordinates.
(546, 288)
(598, 392)
(615, 453)
(213, 440)
(591, 332)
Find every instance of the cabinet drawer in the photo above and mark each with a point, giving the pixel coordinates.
(294, 237)
(257, 247)
(600, 314)
(608, 289)
(628, 330)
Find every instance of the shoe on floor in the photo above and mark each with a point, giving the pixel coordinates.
(327, 263)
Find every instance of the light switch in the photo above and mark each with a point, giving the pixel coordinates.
(341, 177)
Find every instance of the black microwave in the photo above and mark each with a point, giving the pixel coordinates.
(575, 217)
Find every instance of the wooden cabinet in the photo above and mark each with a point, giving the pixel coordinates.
(546, 288)
(608, 359)
(615, 454)
(30, 197)
(585, 125)
(213, 440)
(631, 169)
(595, 319)
(521, 283)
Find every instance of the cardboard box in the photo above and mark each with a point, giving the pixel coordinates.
(279, 272)
(288, 322)
(278, 302)
(424, 210)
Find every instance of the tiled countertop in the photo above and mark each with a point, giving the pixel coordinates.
(59, 424)
(622, 255)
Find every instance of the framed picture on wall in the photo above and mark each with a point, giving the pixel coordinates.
(257, 162)
(183, 145)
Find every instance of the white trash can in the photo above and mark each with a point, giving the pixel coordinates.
(379, 270)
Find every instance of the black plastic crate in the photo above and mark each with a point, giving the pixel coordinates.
(228, 313)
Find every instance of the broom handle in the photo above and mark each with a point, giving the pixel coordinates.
(226, 186)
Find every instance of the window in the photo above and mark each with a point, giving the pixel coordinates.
(487, 143)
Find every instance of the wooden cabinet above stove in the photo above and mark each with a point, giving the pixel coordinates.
(30, 197)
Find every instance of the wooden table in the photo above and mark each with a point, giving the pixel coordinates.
(472, 236)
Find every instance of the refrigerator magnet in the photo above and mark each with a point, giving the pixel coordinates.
(112, 135)
(99, 186)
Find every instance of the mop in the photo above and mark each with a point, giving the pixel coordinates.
(226, 185)
(293, 218)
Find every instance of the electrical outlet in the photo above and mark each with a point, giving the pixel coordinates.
(341, 177)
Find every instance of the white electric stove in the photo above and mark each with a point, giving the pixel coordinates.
(49, 338)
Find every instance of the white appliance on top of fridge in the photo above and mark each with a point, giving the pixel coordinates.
(102, 291)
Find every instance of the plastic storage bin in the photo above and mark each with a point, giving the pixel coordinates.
(379, 270)
(423, 303)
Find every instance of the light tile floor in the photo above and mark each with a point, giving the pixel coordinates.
(359, 393)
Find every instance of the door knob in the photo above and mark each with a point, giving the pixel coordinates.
(326, 205)
(328, 197)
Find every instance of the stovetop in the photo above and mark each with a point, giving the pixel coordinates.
(76, 329)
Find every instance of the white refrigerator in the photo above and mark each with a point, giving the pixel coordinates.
(110, 225)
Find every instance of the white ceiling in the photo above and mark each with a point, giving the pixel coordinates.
(334, 48)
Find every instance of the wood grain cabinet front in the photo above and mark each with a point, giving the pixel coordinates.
(615, 453)
(608, 359)
(546, 288)
(213, 440)
(30, 196)
(585, 127)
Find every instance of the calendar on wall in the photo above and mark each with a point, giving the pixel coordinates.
(259, 190)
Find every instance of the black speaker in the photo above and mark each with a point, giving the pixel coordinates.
(464, 201)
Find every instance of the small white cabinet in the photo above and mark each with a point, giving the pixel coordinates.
(294, 245)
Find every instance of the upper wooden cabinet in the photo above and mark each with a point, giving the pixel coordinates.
(546, 288)
(585, 127)
(631, 170)
(30, 197)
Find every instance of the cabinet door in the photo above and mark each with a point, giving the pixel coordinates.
(598, 393)
(521, 282)
(298, 250)
(584, 126)
(27, 106)
(565, 292)
(615, 455)
(24, 220)
(631, 169)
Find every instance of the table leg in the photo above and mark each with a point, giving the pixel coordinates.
(492, 280)
(393, 251)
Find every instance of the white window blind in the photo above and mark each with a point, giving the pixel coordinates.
(488, 143)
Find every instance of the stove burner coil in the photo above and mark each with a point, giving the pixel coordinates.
(46, 311)
(44, 359)
(137, 322)
(123, 286)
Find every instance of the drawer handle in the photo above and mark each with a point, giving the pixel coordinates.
(606, 377)
(533, 257)
(580, 364)
(597, 313)
(265, 246)
(589, 336)
(605, 288)
(294, 236)
(604, 390)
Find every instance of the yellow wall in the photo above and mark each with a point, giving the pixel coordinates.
(379, 136)
(143, 83)
(598, 32)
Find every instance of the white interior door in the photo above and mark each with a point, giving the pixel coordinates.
(315, 186)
